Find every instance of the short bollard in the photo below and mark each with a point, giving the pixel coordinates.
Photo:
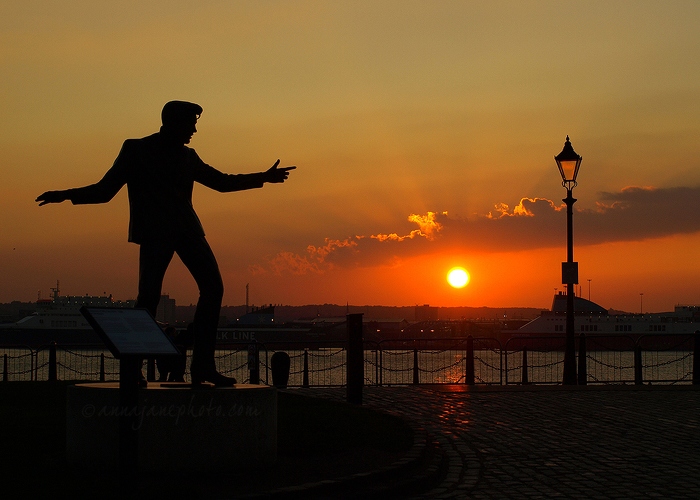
(280, 369)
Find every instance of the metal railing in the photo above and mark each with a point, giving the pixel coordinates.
(604, 359)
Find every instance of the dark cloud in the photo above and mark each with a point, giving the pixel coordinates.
(638, 213)
(632, 214)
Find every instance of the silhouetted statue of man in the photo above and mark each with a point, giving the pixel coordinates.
(159, 172)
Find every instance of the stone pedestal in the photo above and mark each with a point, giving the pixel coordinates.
(178, 426)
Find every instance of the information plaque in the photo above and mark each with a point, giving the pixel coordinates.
(129, 332)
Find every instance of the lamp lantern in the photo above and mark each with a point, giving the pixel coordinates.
(568, 162)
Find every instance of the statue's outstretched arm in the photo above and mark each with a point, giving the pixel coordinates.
(100, 192)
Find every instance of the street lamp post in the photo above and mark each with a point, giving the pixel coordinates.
(589, 290)
(569, 162)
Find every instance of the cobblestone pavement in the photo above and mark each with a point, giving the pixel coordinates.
(547, 442)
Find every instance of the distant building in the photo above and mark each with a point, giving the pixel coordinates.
(258, 316)
(427, 313)
(381, 329)
(166, 310)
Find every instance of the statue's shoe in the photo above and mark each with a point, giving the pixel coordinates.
(219, 380)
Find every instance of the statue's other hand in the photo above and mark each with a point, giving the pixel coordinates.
(51, 197)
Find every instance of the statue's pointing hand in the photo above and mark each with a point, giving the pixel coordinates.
(275, 174)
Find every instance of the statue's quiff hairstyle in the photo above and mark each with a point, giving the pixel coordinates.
(177, 111)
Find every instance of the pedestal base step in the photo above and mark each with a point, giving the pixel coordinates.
(178, 426)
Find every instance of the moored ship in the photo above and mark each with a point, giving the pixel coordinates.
(58, 319)
(594, 319)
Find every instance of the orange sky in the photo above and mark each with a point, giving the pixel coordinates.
(392, 111)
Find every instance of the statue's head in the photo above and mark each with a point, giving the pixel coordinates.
(179, 120)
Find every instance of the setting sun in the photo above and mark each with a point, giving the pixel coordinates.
(458, 277)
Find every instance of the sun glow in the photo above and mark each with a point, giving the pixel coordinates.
(458, 277)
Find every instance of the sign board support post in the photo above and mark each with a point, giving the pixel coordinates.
(129, 380)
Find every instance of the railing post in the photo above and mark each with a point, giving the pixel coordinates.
(696, 358)
(305, 379)
(253, 363)
(416, 378)
(381, 368)
(469, 374)
(525, 380)
(102, 367)
(355, 359)
(500, 365)
(53, 372)
(582, 373)
(4, 368)
(638, 378)
(376, 367)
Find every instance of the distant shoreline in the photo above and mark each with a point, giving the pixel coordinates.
(13, 311)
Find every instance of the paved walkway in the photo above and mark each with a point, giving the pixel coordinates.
(548, 442)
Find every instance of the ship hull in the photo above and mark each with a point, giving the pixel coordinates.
(39, 337)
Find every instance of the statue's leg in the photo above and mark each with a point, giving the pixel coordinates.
(197, 256)
(154, 259)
